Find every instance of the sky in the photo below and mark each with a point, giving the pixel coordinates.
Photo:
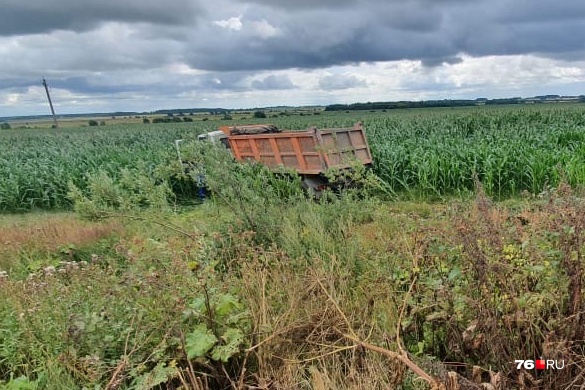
(144, 55)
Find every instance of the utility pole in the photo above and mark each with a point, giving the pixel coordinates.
(50, 103)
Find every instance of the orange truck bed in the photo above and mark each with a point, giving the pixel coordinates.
(309, 152)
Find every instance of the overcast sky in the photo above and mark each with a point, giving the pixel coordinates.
(143, 55)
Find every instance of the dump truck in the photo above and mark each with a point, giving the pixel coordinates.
(310, 153)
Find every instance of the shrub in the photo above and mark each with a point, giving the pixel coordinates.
(259, 114)
(134, 189)
(4, 126)
(92, 122)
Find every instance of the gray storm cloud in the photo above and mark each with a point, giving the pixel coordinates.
(320, 33)
(315, 35)
(21, 17)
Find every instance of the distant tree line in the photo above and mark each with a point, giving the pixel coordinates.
(169, 119)
(413, 104)
(449, 103)
(192, 111)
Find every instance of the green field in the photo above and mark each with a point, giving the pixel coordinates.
(422, 153)
(460, 252)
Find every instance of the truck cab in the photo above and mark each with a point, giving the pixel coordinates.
(214, 137)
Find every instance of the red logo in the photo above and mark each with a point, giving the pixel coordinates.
(540, 364)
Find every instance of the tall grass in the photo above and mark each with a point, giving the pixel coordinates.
(257, 290)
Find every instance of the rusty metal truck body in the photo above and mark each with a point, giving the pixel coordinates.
(310, 153)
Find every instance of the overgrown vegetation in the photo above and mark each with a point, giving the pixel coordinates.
(262, 286)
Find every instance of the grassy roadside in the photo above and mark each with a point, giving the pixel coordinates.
(160, 299)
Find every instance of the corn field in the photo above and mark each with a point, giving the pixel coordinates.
(427, 153)
(508, 151)
(36, 166)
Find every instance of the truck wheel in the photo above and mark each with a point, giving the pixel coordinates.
(314, 185)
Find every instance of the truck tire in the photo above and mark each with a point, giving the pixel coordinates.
(314, 185)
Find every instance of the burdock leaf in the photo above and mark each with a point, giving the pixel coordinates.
(199, 341)
(233, 338)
